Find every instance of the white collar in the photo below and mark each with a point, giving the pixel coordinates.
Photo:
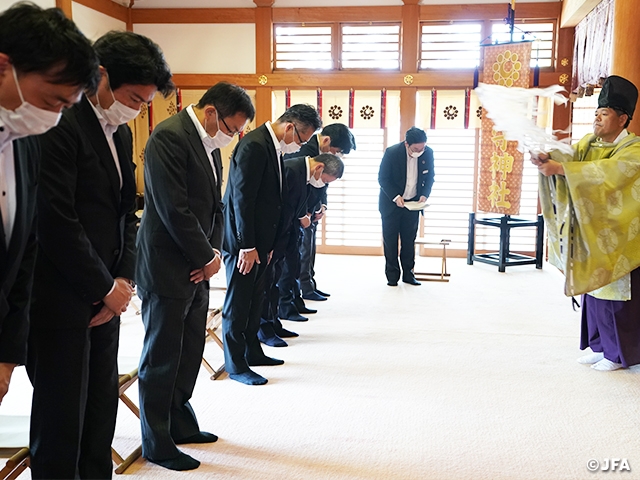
(276, 142)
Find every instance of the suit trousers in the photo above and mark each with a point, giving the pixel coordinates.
(286, 279)
(403, 223)
(308, 259)
(74, 373)
(269, 319)
(241, 314)
(173, 346)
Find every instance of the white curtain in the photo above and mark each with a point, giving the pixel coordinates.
(592, 49)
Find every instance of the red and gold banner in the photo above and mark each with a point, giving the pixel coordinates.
(501, 164)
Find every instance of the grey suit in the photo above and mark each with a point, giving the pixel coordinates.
(181, 199)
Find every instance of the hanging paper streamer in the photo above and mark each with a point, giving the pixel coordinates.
(514, 110)
(351, 106)
(383, 108)
(434, 105)
(319, 102)
(287, 98)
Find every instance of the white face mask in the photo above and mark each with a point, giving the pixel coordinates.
(285, 147)
(416, 154)
(27, 119)
(219, 140)
(118, 113)
(316, 182)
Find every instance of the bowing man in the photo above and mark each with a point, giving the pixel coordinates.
(45, 64)
(406, 174)
(299, 173)
(253, 206)
(176, 258)
(84, 269)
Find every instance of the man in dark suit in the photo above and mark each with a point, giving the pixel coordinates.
(45, 64)
(176, 258)
(406, 174)
(85, 262)
(253, 206)
(297, 280)
(298, 173)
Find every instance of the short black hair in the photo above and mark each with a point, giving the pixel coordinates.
(44, 41)
(228, 99)
(341, 137)
(619, 111)
(305, 115)
(415, 135)
(333, 165)
(133, 59)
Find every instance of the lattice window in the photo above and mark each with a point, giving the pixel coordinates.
(306, 46)
(450, 46)
(370, 46)
(583, 115)
(542, 34)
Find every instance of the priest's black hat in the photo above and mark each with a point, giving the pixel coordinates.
(618, 93)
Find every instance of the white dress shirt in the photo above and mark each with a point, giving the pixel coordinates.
(411, 187)
(203, 134)
(109, 130)
(8, 197)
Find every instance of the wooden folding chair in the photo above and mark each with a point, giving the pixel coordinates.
(442, 275)
(14, 441)
(125, 380)
(214, 321)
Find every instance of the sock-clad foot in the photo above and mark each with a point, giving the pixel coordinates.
(248, 378)
(591, 358)
(179, 463)
(605, 365)
(200, 437)
(264, 362)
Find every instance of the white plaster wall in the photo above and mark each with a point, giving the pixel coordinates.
(205, 48)
(93, 23)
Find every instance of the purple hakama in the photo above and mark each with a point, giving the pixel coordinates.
(613, 326)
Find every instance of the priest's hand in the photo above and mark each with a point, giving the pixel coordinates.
(539, 158)
(551, 167)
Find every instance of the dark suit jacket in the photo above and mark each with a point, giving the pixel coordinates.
(392, 176)
(86, 222)
(16, 262)
(253, 199)
(218, 228)
(295, 203)
(180, 202)
(317, 196)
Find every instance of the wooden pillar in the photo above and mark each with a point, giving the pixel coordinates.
(408, 110)
(65, 6)
(410, 62)
(264, 57)
(626, 37)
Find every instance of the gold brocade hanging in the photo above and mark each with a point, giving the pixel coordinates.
(501, 164)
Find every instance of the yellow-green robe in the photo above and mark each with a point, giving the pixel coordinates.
(593, 216)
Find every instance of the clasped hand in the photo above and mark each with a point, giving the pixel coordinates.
(209, 270)
(115, 303)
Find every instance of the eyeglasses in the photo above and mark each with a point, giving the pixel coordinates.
(233, 134)
(295, 129)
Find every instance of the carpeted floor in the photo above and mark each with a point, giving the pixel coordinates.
(472, 379)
